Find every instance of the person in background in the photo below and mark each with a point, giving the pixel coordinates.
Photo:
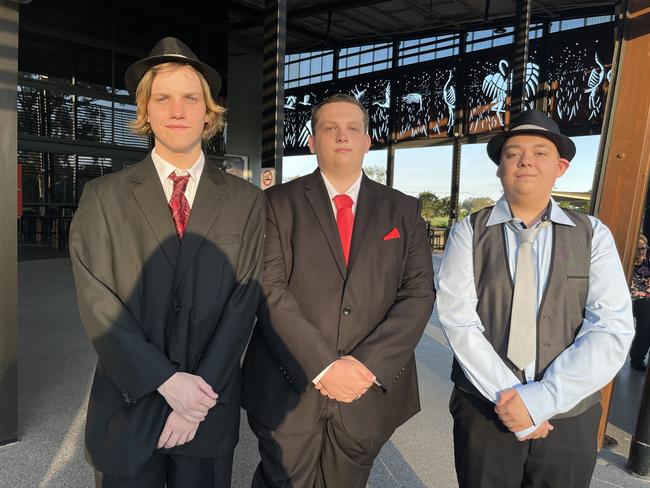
(640, 291)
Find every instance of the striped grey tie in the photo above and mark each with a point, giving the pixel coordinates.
(523, 319)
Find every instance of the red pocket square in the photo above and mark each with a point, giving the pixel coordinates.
(393, 234)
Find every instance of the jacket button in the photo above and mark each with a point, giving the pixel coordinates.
(177, 307)
(128, 399)
(347, 311)
(341, 352)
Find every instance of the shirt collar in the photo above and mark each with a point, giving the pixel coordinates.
(501, 213)
(352, 192)
(165, 168)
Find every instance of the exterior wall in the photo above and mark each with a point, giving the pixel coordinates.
(244, 116)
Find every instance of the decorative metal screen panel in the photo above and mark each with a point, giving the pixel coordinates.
(375, 94)
(298, 104)
(488, 88)
(579, 75)
(426, 103)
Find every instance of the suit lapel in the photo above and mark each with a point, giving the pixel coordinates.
(150, 196)
(207, 204)
(362, 217)
(318, 198)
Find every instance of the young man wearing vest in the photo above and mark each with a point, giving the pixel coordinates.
(166, 255)
(534, 303)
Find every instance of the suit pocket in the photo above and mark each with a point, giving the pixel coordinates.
(391, 244)
(226, 239)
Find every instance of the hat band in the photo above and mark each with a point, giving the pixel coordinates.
(528, 127)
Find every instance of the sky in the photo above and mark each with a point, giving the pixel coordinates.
(429, 169)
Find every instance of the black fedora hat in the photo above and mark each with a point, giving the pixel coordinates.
(170, 49)
(533, 122)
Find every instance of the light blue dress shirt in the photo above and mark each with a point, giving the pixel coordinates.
(599, 350)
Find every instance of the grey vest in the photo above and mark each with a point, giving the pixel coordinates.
(562, 307)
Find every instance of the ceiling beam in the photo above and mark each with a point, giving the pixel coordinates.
(429, 14)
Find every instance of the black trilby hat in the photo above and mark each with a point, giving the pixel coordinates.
(170, 49)
(533, 122)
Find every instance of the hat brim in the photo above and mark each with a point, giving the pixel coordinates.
(137, 70)
(564, 145)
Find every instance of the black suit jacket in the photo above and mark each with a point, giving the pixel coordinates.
(315, 309)
(153, 306)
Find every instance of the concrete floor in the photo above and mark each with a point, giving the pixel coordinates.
(56, 363)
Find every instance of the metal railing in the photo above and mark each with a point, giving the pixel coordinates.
(437, 236)
(46, 224)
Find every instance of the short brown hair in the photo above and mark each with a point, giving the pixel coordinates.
(339, 97)
(213, 110)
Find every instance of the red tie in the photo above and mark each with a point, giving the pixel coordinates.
(344, 221)
(178, 204)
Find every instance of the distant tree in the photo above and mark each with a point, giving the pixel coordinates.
(582, 207)
(434, 209)
(473, 204)
(376, 173)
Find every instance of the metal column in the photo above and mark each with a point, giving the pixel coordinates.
(275, 37)
(8, 209)
(522, 27)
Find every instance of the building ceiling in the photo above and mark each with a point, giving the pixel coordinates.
(314, 24)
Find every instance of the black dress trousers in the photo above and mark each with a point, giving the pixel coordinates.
(487, 455)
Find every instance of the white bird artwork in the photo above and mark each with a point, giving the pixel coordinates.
(305, 100)
(498, 85)
(358, 93)
(304, 134)
(386, 102)
(290, 102)
(449, 92)
(596, 77)
(413, 98)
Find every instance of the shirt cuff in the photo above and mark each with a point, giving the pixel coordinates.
(321, 374)
(526, 432)
(535, 396)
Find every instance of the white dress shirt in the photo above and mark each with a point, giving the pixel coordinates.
(165, 168)
(599, 350)
(353, 193)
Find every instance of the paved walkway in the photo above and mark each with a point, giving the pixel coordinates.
(56, 363)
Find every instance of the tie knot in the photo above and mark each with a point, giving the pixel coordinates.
(527, 236)
(180, 181)
(343, 201)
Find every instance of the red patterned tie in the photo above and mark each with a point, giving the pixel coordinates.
(178, 204)
(344, 221)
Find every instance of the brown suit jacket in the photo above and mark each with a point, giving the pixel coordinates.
(153, 306)
(315, 309)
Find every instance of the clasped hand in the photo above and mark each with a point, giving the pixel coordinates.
(190, 398)
(512, 411)
(346, 380)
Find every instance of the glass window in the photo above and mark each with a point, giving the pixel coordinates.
(308, 67)
(479, 185)
(425, 173)
(373, 56)
(296, 166)
(574, 189)
(374, 165)
(428, 49)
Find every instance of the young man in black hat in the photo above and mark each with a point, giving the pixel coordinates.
(534, 303)
(166, 256)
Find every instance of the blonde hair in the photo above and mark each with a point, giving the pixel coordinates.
(213, 110)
